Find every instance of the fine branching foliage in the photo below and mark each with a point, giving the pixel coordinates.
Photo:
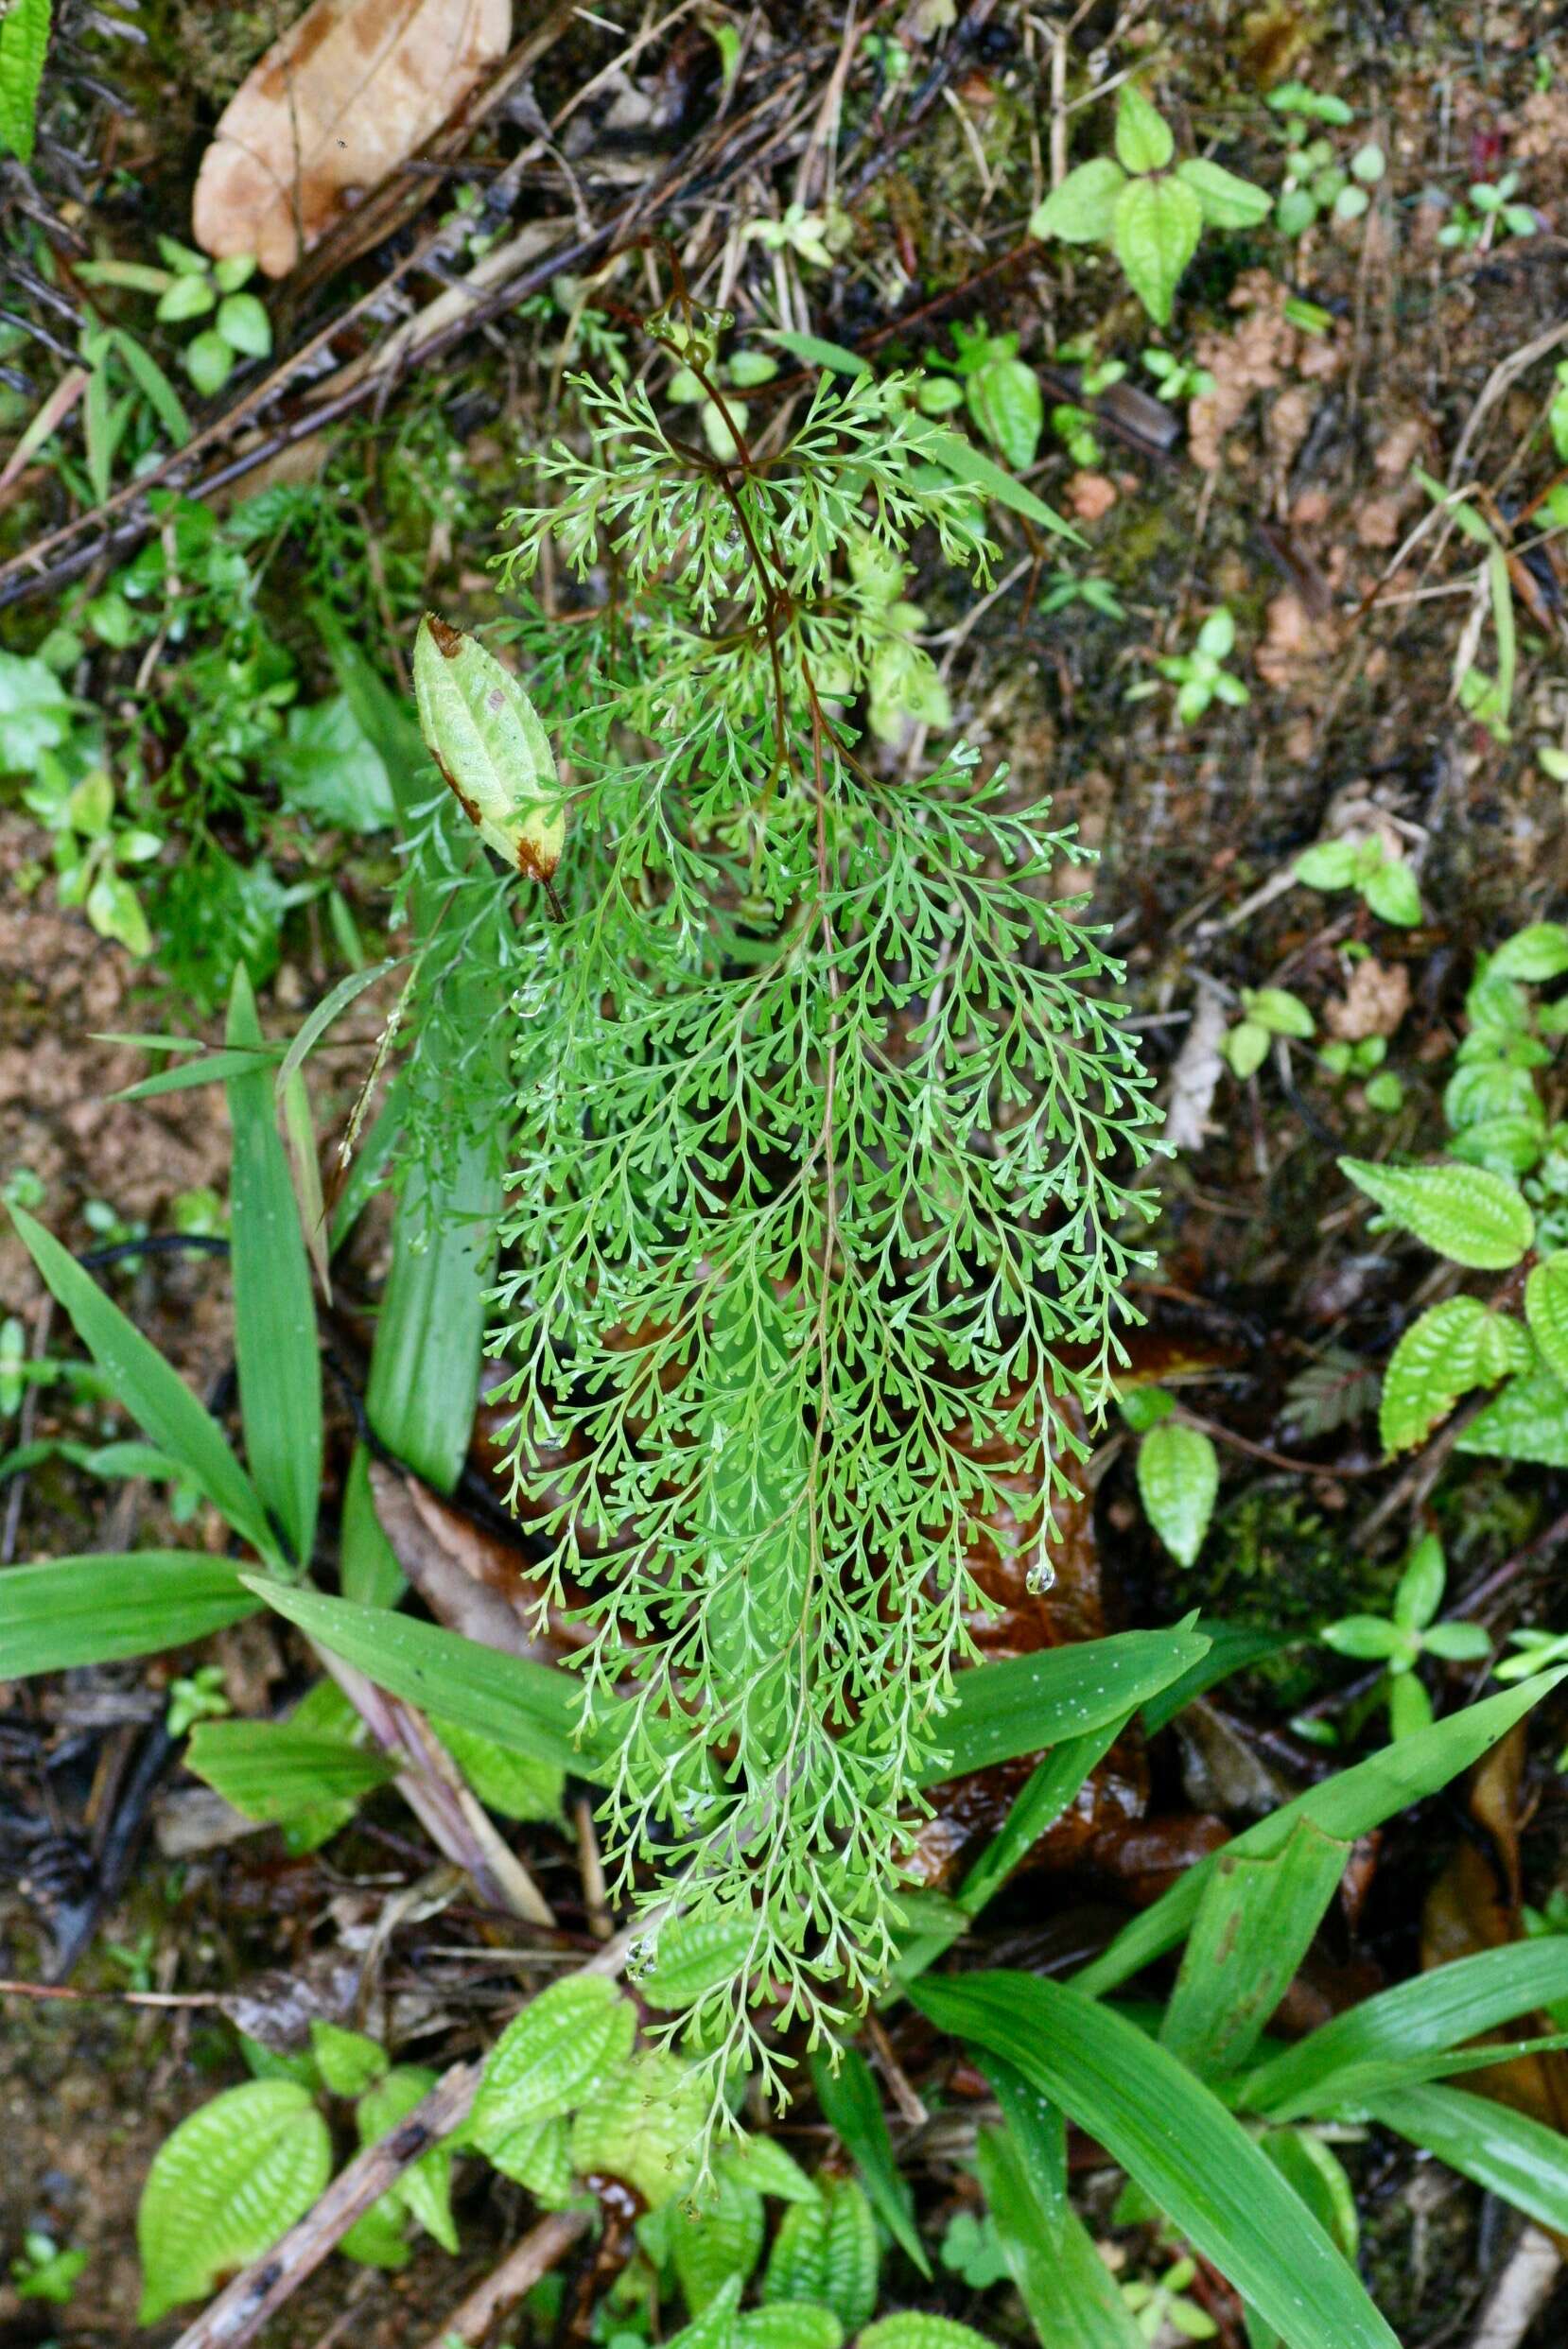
(820, 1206)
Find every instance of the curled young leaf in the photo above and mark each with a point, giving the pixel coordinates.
(485, 735)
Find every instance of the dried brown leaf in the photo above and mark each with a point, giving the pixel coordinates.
(349, 91)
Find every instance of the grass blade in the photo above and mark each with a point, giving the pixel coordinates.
(216, 1068)
(1231, 1647)
(1253, 1927)
(1430, 2013)
(853, 2109)
(271, 1770)
(1001, 1710)
(1506, 2152)
(1347, 1806)
(143, 1382)
(326, 1011)
(83, 1611)
(1061, 2279)
(1172, 2136)
(275, 1340)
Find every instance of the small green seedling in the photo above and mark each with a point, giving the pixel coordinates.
(1381, 879)
(1177, 380)
(199, 1696)
(193, 287)
(1316, 183)
(1074, 427)
(1000, 391)
(1490, 214)
(44, 2271)
(1365, 1058)
(1150, 210)
(1168, 2305)
(1267, 1013)
(815, 237)
(92, 843)
(1399, 1640)
(1067, 587)
(1200, 676)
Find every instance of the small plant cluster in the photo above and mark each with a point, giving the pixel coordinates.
(1316, 183)
(191, 287)
(1410, 1631)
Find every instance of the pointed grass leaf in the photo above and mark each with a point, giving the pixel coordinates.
(1468, 1214)
(96, 1610)
(213, 1069)
(998, 1710)
(275, 1340)
(223, 2189)
(526, 1708)
(1155, 233)
(567, 2045)
(271, 1770)
(1519, 2159)
(1232, 1647)
(826, 2253)
(1254, 1925)
(1175, 2139)
(852, 2106)
(955, 455)
(1069, 2292)
(1179, 1477)
(1082, 210)
(1431, 2013)
(1546, 1311)
(1527, 1421)
(1345, 1806)
(815, 353)
(145, 1386)
(486, 737)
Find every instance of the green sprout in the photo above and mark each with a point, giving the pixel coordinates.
(1399, 1640)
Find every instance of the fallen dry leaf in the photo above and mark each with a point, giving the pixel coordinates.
(351, 90)
(1090, 495)
(1376, 1000)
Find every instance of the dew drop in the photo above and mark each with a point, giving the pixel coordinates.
(1040, 1577)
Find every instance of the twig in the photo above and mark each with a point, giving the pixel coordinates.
(538, 2252)
(260, 2290)
(115, 1998)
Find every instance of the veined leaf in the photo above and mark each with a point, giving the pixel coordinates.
(1144, 141)
(223, 2189)
(1082, 210)
(1347, 1806)
(24, 42)
(212, 1068)
(1254, 1925)
(77, 1610)
(718, 2242)
(276, 1341)
(424, 2189)
(567, 2045)
(917, 2328)
(1227, 203)
(1502, 2150)
(143, 1382)
(1467, 1213)
(271, 1771)
(853, 2109)
(643, 2125)
(1527, 1421)
(1000, 1710)
(1546, 1311)
(1155, 233)
(1453, 1347)
(826, 2253)
(1174, 2138)
(1178, 1475)
(693, 1955)
(485, 735)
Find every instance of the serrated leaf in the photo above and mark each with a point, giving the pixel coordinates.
(826, 2253)
(1144, 141)
(487, 739)
(643, 2126)
(567, 2043)
(1439, 1358)
(348, 2061)
(694, 1955)
(914, 2328)
(222, 2190)
(1082, 210)
(1468, 1214)
(24, 42)
(1528, 1420)
(788, 2324)
(718, 2241)
(538, 2156)
(1227, 201)
(1546, 1311)
(1538, 952)
(1154, 234)
(1178, 1476)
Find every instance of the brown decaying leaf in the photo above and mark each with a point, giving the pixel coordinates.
(460, 1573)
(1376, 1000)
(349, 91)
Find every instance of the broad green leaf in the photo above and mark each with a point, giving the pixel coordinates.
(1332, 865)
(1006, 402)
(145, 1386)
(1154, 234)
(1254, 1925)
(1227, 201)
(788, 2324)
(1347, 1806)
(1444, 1353)
(1144, 141)
(1082, 210)
(1538, 952)
(714, 2242)
(1173, 2137)
(567, 2044)
(348, 2061)
(695, 1955)
(1546, 1311)
(1504, 2151)
(1420, 1586)
(424, 2189)
(1429, 2013)
(1178, 1476)
(271, 1770)
(1001, 1710)
(275, 1340)
(826, 2253)
(914, 2328)
(645, 2125)
(538, 2156)
(1318, 2177)
(1528, 1420)
(24, 42)
(1469, 1215)
(530, 1708)
(79, 1610)
(223, 2189)
(1059, 2274)
(852, 2106)
(378, 2237)
(762, 2163)
(815, 353)
(330, 770)
(485, 735)
(1391, 893)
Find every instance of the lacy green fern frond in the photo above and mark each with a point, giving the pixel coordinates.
(821, 1200)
